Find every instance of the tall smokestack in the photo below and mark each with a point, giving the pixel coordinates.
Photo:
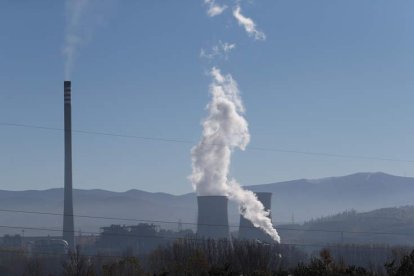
(247, 230)
(68, 225)
(212, 221)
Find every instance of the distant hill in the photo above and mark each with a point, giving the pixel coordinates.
(301, 199)
(306, 199)
(382, 226)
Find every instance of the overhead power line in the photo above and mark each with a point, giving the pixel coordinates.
(194, 238)
(213, 225)
(100, 255)
(183, 141)
(170, 140)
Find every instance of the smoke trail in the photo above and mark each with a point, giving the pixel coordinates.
(74, 12)
(213, 8)
(225, 129)
(221, 50)
(81, 18)
(248, 24)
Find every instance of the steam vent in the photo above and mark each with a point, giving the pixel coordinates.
(212, 219)
(247, 230)
(68, 225)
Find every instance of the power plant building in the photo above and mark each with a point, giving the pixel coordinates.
(212, 221)
(247, 230)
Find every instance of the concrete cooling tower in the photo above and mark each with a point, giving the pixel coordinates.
(212, 221)
(247, 231)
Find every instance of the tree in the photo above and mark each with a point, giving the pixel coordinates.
(128, 266)
(34, 268)
(405, 267)
(77, 265)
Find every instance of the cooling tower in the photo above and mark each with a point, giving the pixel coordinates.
(247, 230)
(212, 219)
(68, 225)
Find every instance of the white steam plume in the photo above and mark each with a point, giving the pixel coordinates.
(252, 209)
(73, 38)
(248, 24)
(81, 18)
(222, 50)
(214, 9)
(73, 13)
(225, 129)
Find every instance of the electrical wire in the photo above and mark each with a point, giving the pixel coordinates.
(183, 141)
(200, 239)
(212, 225)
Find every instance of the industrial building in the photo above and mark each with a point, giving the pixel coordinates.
(212, 220)
(247, 230)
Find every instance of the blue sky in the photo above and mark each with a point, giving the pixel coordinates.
(331, 77)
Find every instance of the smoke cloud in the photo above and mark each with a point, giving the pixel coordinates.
(252, 209)
(224, 130)
(222, 49)
(248, 24)
(82, 16)
(214, 9)
(73, 37)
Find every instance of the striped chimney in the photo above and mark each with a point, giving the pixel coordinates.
(68, 224)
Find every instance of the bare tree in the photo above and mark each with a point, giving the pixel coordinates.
(77, 264)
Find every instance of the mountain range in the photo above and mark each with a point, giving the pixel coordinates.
(293, 201)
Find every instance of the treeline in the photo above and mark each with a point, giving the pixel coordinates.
(386, 225)
(211, 257)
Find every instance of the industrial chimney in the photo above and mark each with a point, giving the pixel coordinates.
(68, 225)
(247, 230)
(212, 219)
